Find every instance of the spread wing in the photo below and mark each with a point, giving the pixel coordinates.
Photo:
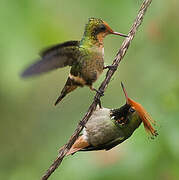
(61, 55)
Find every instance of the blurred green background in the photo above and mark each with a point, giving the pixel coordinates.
(32, 129)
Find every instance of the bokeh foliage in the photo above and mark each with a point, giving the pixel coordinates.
(32, 129)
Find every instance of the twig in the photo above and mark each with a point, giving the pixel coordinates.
(122, 51)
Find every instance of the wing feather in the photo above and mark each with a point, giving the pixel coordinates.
(106, 146)
(58, 56)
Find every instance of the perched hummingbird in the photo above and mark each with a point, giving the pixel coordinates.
(107, 128)
(86, 57)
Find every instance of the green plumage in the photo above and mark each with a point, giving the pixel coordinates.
(89, 65)
(92, 29)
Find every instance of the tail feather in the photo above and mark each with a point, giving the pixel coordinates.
(79, 144)
(69, 86)
(59, 99)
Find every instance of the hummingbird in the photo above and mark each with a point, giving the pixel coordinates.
(86, 58)
(107, 128)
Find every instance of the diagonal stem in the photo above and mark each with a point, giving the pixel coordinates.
(121, 53)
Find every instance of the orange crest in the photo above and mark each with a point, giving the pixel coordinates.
(144, 115)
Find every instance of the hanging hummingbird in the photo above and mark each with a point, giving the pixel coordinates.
(107, 128)
(86, 58)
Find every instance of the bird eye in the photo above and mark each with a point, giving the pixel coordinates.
(102, 27)
(131, 110)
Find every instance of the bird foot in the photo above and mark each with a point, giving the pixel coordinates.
(98, 100)
(111, 67)
(101, 93)
(82, 124)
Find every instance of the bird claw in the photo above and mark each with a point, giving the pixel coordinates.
(98, 100)
(82, 124)
(111, 67)
(100, 92)
(97, 97)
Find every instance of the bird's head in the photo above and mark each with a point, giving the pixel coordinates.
(97, 29)
(136, 110)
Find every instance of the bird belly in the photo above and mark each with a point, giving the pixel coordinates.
(100, 129)
(92, 69)
(88, 68)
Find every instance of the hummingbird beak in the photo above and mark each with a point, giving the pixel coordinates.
(119, 34)
(110, 31)
(125, 93)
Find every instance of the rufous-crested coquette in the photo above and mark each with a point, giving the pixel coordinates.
(107, 128)
(86, 58)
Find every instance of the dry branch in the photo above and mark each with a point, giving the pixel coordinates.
(122, 51)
